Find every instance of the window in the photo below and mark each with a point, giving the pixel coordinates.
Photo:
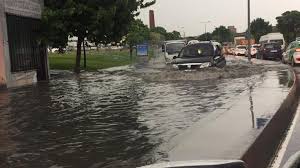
(23, 47)
(198, 50)
(277, 41)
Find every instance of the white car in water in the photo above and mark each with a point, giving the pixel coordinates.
(240, 50)
(171, 49)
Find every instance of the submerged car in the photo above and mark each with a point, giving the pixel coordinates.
(240, 50)
(200, 55)
(253, 50)
(270, 51)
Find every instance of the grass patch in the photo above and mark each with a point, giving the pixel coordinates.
(95, 59)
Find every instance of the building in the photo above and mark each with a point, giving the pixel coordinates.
(151, 19)
(232, 29)
(23, 60)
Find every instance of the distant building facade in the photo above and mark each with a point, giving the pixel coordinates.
(232, 29)
(151, 19)
(23, 60)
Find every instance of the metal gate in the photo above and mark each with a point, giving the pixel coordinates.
(24, 50)
(22, 39)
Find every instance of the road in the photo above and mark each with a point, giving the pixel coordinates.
(119, 118)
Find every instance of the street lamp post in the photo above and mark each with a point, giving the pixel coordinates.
(249, 32)
(205, 24)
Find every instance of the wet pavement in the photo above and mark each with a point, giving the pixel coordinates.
(116, 118)
(292, 142)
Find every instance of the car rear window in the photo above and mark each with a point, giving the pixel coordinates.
(271, 46)
(198, 50)
(277, 41)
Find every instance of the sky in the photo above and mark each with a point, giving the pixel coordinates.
(187, 16)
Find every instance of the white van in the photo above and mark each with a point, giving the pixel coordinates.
(273, 37)
(172, 48)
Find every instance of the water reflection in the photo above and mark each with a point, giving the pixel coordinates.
(103, 119)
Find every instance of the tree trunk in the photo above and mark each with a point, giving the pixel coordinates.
(78, 55)
(131, 51)
(84, 55)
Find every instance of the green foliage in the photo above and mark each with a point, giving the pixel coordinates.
(289, 25)
(95, 59)
(138, 33)
(174, 35)
(222, 34)
(155, 38)
(101, 21)
(159, 30)
(260, 27)
(205, 37)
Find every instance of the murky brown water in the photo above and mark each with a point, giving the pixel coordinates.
(105, 120)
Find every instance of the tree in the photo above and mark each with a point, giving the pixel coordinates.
(174, 35)
(138, 33)
(160, 30)
(289, 25)
(155, 38)
(101, 21)
(222, 34)
(260, 27)
(205, 37)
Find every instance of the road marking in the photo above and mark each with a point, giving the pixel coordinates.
(283, 148)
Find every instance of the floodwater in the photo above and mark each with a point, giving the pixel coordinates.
(106, 119)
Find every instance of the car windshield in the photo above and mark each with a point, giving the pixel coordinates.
(277, 41)
(242, 47)
(174, 48)
(198, 50)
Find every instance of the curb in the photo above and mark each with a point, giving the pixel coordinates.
(262, 151)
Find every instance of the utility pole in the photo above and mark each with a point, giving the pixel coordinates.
(205, 32)
(249, 32)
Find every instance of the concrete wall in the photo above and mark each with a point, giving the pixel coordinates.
(2, 58)
(24, 8)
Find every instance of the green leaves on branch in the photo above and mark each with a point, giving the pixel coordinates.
(260, 27)
(289, 25)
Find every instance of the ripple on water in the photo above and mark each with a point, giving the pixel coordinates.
(103, 119)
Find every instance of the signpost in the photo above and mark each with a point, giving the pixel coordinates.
(142, 50)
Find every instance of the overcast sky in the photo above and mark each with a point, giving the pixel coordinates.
(175, 14)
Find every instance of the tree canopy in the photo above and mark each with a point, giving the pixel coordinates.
(260, 27)
(101, 21)
(222, 34)
(289, 25)
(138, 33)
(205, 37)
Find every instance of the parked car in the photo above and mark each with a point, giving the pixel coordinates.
(200, 55)
(254, 48)
(270, 51)
(240, 50)
(172, 48)
(292, 54)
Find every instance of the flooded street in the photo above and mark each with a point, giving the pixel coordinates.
(108, 119)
